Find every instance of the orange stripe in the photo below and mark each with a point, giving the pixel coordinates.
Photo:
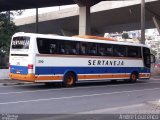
(32, 77)
(49, 78)
(103, 76)
(95, 37)
(146, 75)
(28, 77)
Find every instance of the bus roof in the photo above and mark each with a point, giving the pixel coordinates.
(94, 39)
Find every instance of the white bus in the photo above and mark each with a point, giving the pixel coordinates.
(50, 58)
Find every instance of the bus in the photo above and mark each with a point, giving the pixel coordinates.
(69, 60)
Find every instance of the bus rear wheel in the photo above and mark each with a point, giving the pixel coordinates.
(133, 77)
(69, 80)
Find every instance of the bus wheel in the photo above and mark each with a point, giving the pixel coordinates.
(133, 77)
(69, 80)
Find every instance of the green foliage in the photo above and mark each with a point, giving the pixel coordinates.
(7, 29)
(125, 36)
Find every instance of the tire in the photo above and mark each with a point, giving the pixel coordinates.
(69, 79)
(133, 77)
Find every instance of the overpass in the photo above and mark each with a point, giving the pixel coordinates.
(84, 6)
(6, 5)
(106, 16)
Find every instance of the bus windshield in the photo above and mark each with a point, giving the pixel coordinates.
(20, 42)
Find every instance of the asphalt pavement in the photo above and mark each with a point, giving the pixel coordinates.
(6, 82)
(100, 98)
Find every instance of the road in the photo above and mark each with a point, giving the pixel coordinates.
(87, 98)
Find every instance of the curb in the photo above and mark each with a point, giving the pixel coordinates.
(155, 78)
(10, 84)
(156, 103)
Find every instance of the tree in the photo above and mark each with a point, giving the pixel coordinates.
(7, 29)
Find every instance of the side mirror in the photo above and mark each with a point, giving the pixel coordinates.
(153, 59)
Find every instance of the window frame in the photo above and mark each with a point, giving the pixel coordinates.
(76, 50)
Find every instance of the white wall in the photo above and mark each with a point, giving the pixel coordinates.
(4, 74)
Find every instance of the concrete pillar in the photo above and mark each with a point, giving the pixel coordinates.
(143, 21)
(68, 33)
(36, 25)
(84, 20)
(157, 24)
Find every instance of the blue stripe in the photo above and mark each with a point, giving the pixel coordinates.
(89, 70)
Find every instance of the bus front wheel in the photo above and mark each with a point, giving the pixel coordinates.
(133, 77)
(69, 79)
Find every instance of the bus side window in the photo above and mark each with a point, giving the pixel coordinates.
(73, 51)
(91, 49)
(64, 47)
(105, 50)
(108, 50)
(82, 48)
(69, 47)
(119, 51)
(47, 46)
(41, 43)
(74, 48)
(101, 50)
(62, 51)
(134, 52)
(53, 46)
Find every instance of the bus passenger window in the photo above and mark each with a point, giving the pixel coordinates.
(83, 49)
(62, 51)
(69, 47)
(119, 51)
(52, 48)
(105, 50)
(92, 52)
(47, 46)
(101, 51)
(74, 48)
(134, 51)
(64, 47)
(91, 49)
(73, 51)
(108, 50)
